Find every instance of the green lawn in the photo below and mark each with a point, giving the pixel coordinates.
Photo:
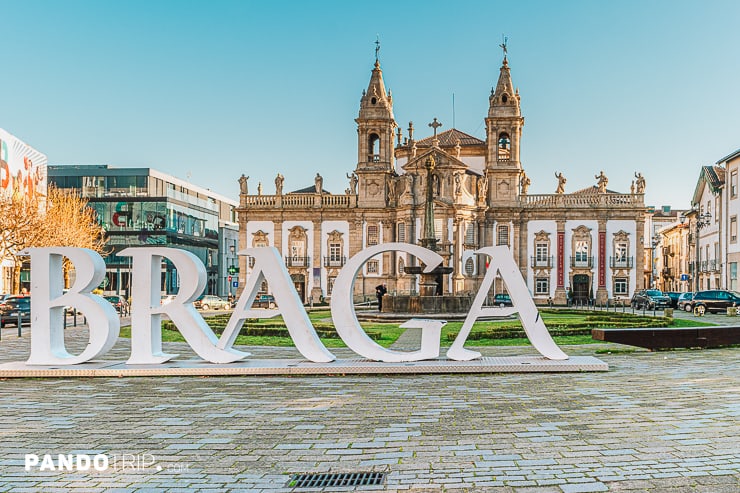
(567, 326)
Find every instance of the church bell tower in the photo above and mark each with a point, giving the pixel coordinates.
(503, 137)
(375, 127)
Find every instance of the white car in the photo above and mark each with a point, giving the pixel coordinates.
(168, 299)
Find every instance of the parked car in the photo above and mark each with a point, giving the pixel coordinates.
(10, 309)
(715, 300)
(502, 299)
(650, 299)
(673, 295)
(4, 297)
(264, 301)
(684, 301)
(118, 302)
(211, 301)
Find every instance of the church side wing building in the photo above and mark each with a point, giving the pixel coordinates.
(582, 246)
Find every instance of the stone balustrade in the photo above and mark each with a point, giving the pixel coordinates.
(577, 200)
(299, 201)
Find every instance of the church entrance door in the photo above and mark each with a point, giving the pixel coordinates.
(581, 288)
(299, 281)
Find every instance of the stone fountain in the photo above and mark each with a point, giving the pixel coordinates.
(431, 297)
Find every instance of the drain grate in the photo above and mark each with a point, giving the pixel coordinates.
(338, 479)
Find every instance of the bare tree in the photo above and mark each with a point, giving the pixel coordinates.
(69, 222)
(62, 219)
(21, 227)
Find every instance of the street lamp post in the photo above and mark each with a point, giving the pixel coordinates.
(702, 220)
(653, 272)
(232, 269)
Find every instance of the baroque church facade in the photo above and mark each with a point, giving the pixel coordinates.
(585, 245)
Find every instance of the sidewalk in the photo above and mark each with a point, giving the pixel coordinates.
(667, 421)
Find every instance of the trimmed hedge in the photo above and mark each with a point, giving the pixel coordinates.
(595, 321)
(253, 327)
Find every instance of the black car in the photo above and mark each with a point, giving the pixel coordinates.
(502, 299)
(264, 301)
(715, 300)
(13, 306)
(674, 296)
(650, 299)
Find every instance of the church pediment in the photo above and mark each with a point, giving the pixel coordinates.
(443, 160)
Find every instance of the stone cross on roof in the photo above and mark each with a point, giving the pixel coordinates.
(435, 125)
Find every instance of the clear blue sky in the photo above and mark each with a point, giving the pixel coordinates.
(214, 89)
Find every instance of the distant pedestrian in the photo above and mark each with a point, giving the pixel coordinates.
(380, 291)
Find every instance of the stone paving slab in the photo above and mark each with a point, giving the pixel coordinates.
(665, 421)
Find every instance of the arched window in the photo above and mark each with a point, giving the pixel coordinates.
(469, 267)
(504, 146)
(401, 266)
(374, 148)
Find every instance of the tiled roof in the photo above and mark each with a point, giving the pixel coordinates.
(449, 138)
(715, 176)
(311, 189)
(592, 190)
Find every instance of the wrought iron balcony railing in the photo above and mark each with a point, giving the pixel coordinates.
(542, 262)
(294, 261)
(581, 261)
(621, 262)
(334, 261)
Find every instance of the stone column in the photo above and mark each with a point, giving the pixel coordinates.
(561, 297)
(316, 263)
(357, 225)
(459, 240)
(521, 238)
(387, 235)
(602, 295)
(242, 260)
(640, 255)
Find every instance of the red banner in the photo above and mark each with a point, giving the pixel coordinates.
(561, 259)
(602, 259)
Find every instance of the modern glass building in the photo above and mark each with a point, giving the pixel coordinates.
(143, 207)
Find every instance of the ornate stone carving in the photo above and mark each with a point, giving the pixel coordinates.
(260, 239)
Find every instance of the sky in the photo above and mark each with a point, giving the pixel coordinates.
(208, 90)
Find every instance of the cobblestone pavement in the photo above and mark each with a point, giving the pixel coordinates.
(666, 421)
